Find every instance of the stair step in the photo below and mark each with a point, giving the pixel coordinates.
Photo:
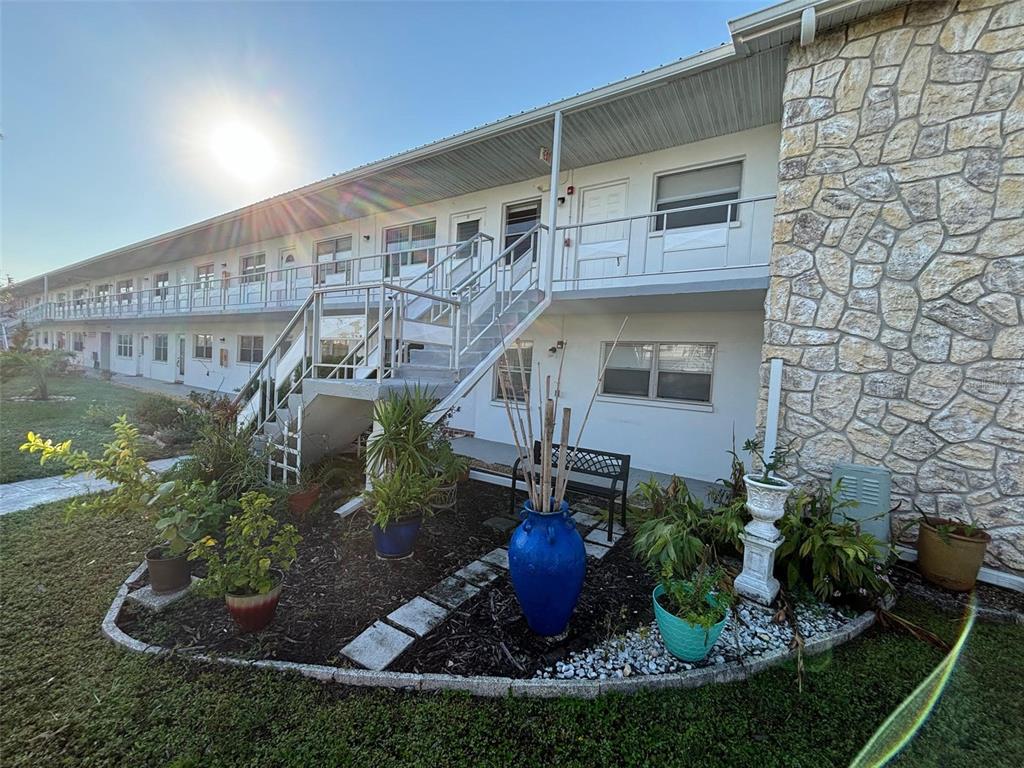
(424, 372)
(433, 357)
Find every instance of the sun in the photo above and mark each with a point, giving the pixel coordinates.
(242, 151)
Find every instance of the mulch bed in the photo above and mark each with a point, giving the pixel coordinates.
(489, 636)
(336, 588)
(994, 603)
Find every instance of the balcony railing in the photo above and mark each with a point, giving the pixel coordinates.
(274, 290)
(665, 246)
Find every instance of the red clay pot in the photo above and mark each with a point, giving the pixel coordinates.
(253, 612)
(300, 502)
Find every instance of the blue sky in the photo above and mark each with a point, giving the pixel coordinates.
(108, 108)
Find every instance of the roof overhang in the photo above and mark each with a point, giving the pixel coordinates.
(730, 88)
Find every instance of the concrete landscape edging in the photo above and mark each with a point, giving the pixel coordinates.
(488, 685)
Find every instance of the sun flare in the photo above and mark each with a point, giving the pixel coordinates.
(242, 151)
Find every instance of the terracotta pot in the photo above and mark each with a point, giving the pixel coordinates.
(253, 612)
(952, 563)
(167, 574)
(299, 503)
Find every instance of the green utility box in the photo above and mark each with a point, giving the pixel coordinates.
(871, 488)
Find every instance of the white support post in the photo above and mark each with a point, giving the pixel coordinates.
(771, 422)
(556, 161)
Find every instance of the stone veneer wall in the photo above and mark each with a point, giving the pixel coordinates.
(897, 271)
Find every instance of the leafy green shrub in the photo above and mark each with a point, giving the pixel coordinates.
(187, 513)
(406, 440)
(826, 550)
(120, 463)
(701, 600)
(213, 406)
(157, 411)
(39, 364)
(255, 545)
(102, 414)
(400, 495)
(681, 531)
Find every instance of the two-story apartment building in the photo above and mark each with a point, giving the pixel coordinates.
(838, 187)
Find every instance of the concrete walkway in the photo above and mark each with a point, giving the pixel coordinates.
(141, 384)
(15, 497)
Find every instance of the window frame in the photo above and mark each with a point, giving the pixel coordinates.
(652, 396)
(255, 273)
(157, 347)
(203, 278)
(77, 341)
(407, 257)
(125, 351)
(658, 229)
(514, 370)
(124, 296)
(245, 354)
(195, 346)
(335, 265)
(161, 288)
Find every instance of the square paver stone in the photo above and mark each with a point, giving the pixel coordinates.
(150, 600)
(501, 524)
(452, 592)
(377, 646)
(477, 573)
(586, 519)
(418, 615)
(600, 536)
(596, 550)
(497, 557)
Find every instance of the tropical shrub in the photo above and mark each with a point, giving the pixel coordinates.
(187, 513)
(399, 495)
(255, 545)
(406, 441)
(120, 463)
(681, 532)
(689, 600)
(157, 411)
(39, 364)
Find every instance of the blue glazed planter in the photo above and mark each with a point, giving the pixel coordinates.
(547, 562)
(684, 640)
(398, 539)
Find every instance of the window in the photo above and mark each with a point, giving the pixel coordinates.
(78, 341)
(160, 282)
(679, 371)
(518, 362)
(250, 349)
(254, 267)
(124, 290)
(124, 345)
(698, 187)
(330, 252)
(410, 244)
(204, 276)
(103, 291)
(203, 348)
(79, 296)
(160, 347)
(519, 219)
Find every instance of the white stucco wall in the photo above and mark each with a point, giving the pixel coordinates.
(687, 439)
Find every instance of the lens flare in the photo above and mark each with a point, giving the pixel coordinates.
(904, 723)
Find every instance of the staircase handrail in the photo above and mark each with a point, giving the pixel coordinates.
(475, 277)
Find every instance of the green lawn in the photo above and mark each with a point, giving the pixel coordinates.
(61, 420)
(68, 697)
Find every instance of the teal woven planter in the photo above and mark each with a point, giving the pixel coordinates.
(682, 639)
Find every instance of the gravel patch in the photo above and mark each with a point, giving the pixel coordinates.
(750, 633)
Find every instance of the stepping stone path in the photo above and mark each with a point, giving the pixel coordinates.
(384, 640)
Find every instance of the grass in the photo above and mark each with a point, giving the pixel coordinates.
(62, 420)
(71, 698)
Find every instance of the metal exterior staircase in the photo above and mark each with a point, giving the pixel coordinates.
(443, 329)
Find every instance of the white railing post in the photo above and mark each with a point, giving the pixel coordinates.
(380, 335)
(556, 157)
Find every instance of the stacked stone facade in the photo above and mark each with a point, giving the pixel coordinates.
(897, 285)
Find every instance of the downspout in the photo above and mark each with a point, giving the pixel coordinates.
(808, 26)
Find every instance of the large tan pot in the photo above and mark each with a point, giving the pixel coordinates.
(950, 562)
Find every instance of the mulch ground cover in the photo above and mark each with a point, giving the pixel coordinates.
(338, 587)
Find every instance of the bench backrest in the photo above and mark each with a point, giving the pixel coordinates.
(587, 461)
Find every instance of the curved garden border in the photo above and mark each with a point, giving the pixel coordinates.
(488, 685)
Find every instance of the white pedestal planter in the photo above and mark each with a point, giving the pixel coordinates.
(766, 504)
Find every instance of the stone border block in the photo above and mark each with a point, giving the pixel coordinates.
(146, 598)
(477, 573)
(419, 616)
(497, 557)
(451, 592)
(377, 646)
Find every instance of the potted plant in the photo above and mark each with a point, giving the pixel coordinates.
(184, 514)
(691, 613)
(302, 499)
(248, 570)
(950, 552)
(397, 503)
(449, 469)
(401, 462)
(766, 494)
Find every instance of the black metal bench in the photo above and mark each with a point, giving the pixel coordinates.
(613, 468)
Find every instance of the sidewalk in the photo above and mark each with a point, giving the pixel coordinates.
(141, 384)
(15, 497)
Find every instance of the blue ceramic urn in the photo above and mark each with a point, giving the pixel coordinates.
(547, 562)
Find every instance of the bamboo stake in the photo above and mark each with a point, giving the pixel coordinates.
(549, 436)
(563, 450)
(526, 399)
(515, 433)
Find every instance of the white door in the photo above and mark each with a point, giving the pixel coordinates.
(602, 249)
(465, 226)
